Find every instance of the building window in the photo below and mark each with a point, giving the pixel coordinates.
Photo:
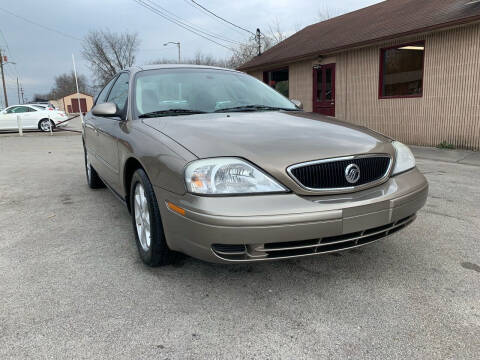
(277, 79)
(401, 71)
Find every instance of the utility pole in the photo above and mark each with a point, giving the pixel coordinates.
(3, 79)
(21, 92)
(18, 91)
(178, 45)
(258, 38)
(78, 91)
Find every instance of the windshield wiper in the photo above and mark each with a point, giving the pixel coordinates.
(254, 108)
(170, 112)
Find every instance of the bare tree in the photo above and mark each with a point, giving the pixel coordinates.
(298, 26)
(198, 59)
(326, 12)
(65, 85)
(276, 34)
(108, 53)
(247, 51)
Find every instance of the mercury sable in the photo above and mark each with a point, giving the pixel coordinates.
(215, 164)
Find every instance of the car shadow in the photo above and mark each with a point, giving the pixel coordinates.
(370, 262)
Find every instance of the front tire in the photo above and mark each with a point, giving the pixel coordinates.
(147, 223)
(45, 124)
(93, 180)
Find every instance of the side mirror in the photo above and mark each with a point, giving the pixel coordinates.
(297, 103)
(106, 109)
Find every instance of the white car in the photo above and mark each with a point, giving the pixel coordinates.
(32, 117)
(44, 106)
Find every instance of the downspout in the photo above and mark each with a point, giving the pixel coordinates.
(346, 87)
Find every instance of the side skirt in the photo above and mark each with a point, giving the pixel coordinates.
(116, 194)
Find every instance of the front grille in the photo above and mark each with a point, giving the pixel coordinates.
(324, 245)
(330, 174)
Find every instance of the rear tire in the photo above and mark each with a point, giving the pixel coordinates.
(44, 126)
(147, 223)
(93, 180)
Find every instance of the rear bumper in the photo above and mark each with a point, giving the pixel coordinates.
(259, 228)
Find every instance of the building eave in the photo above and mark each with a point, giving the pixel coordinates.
(323, 52)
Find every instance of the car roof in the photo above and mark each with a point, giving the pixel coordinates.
(177, 66)
(27, 105)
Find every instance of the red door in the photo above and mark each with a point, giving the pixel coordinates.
(75, 107)
(324, 89)
(83, 105)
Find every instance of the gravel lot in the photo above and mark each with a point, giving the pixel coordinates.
(72, 285)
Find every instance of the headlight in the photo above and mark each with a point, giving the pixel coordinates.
(219, 176)
(404, 159)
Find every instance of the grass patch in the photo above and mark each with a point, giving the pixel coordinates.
(446, 145)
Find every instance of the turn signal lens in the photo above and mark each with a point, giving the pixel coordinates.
(175, 208)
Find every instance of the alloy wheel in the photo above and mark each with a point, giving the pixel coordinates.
(142, 217)
(45, 126)
(89, 170)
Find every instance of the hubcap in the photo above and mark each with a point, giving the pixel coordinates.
(45, 126)
(142, 217)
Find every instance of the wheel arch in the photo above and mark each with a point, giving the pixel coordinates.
(39, 121)
(131, 165)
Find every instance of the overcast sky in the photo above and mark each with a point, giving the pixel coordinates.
(40, 54)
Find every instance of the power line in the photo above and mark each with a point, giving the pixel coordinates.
(195, 27)
(10, 54)
(40, 25)
(166, 17)
(9, 51)
(221, 18)
(161, 13)
(189, 3)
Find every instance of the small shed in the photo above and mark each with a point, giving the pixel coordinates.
(77, 102)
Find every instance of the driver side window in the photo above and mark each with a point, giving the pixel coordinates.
(119, 93)
(102, 97)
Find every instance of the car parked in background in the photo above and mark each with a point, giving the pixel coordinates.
(216, 164)
(44, 106)
(32, 117)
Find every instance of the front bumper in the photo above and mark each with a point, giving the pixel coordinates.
(269, 227)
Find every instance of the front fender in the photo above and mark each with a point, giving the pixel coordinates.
(162, 158)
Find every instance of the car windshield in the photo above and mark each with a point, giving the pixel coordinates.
(166, 92)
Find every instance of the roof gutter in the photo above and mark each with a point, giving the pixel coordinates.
(312, 55)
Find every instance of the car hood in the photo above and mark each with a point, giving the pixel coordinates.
(272, 140)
